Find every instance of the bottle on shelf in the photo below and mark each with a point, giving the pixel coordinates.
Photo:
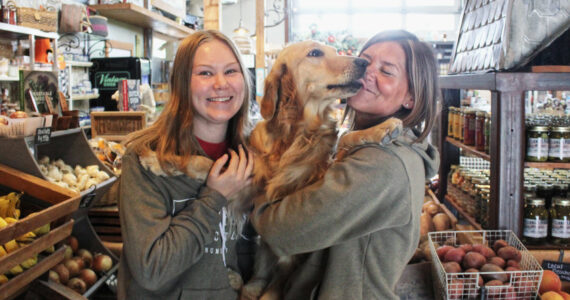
(535, 222)
(560, 221)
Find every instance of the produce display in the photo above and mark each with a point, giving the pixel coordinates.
(110, 153)
(10, 213)
(433, 218)
(77, 179)
(80, 268)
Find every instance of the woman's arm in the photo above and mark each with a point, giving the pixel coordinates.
(368, 191)
(159, 247)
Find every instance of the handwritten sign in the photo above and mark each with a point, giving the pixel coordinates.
(43, 135)
(560, 268)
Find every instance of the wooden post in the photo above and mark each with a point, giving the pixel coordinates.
(212, 14)
(260, 48)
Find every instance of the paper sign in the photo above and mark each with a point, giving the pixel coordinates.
(43, 135)
(560, 268)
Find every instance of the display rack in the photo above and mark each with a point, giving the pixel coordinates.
(15, 32)
(507, 137)
(70, 145)
(51, 204)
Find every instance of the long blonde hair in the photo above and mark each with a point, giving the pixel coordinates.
(423, 83)
(171, 136)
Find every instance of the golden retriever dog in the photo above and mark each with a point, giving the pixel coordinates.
(293, 145)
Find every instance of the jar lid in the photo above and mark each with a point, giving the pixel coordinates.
(535, 201)
(559, 201)
(560, 129)
(560, 186)
(481, 113)
(545, 186)
(538, 128)
(530, 186)
(470, 111)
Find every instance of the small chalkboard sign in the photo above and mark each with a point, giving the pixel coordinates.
(560, 268)
(43, 135)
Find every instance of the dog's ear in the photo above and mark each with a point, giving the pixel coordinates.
(271, 94)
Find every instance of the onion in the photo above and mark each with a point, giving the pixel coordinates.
(102, 263)
(86, 256)
(62, 272)
(88, 276)
(77, 284)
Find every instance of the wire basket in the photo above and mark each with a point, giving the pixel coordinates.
(521, 284)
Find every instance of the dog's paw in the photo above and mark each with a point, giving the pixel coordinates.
(236, 282)
(253, 290)
(391, 128)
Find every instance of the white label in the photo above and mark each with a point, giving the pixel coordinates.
(537, 147)
(561, 228)
(559, 148)
(535, 228)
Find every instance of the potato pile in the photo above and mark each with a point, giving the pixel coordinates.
(76, 179)
(493, 264)
(433, 218)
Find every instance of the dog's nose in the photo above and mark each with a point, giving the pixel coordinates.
(361, 62)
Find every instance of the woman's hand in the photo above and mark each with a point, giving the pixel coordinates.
(236, 176)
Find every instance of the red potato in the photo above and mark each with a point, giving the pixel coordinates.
(486, 251)
(497, 261)
(473, 260)
(442, 250)
(451, 267)
(480, 280)
(466, 247)
(513, 263)
(494, 273)
(455, 289)
(455, 254)
(510, 252)
(498, 244)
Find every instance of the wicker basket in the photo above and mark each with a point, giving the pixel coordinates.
(45, 20)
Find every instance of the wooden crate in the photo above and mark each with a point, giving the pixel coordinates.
(54, 205)
(116, 125)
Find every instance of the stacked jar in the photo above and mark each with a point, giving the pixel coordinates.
(548, 138)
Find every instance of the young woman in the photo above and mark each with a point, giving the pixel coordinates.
(360, 223)
(178, 242)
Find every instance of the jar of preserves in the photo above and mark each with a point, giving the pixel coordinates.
(545, 190)
(461, 124)
(487, 132)
(457, 124)
(535, 222)
(450, 121)
(480, 130)
(530, 190)
(469, 127)
(537, 144)
(483, 208)
(560, 216)
(560, 190)
(559, 144)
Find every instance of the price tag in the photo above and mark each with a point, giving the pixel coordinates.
(43, 135)
(560, 268)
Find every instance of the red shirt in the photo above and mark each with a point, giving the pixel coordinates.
(214, 150)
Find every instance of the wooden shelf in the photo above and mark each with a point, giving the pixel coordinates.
(15, 32)
(8, 78)
(547, 247)
(547, 165)
(84, 96)
(468, 149)
(74, 63)
(465, 215)
(140, 16)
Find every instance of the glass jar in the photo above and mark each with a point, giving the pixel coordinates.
(480, 130)
(537, 144)
(544, 190)
(487, 132)
(457, 124)
(450, 121)
(559, 144)
(469, 127)
(483, 208)
(461, 123)
(530, 189)
(560, 216)
(535, 222)
(560, 190)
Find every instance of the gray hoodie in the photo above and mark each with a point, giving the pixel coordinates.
(359, 225)
(176, 238)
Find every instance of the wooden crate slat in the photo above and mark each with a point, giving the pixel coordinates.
(37, 246)
(17, 283)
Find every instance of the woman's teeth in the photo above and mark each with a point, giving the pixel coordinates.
(220, 99)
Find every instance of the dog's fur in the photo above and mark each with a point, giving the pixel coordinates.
(294, 143)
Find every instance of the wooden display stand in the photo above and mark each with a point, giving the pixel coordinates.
(52, 204)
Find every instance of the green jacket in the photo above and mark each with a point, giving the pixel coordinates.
(172, 242)
(360, 223)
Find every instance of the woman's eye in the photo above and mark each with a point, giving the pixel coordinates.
(315, 53)
(231, 71)
(385, 72)
(204, 73)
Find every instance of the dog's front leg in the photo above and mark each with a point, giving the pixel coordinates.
(265, 264)
(382, 134)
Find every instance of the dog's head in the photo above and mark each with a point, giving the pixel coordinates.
(310, 75)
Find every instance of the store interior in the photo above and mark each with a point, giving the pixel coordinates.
(78, 76)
